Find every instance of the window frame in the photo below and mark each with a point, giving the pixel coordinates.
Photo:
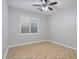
(30, 26)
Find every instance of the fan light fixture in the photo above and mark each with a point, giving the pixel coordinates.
(45, 8)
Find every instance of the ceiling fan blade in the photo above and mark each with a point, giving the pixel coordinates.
(53, 3)
(45, 0)
(36, 5)
(50, 8)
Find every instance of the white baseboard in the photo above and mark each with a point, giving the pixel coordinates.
(67, 46)
(6, 53)
(38, 42)
(42, 41)
(26, 43)
(15, 45)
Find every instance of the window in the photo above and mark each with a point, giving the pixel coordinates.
(28, 25)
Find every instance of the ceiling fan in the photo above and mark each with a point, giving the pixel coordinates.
(45, 5)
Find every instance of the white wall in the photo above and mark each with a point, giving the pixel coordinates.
(4, 26)
(14, 27)
(62, 27)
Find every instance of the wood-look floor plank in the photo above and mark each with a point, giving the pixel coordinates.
(42, 50)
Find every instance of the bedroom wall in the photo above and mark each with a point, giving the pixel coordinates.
(4, 27)
(63, 27)
(14, 27)
(59, 27)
